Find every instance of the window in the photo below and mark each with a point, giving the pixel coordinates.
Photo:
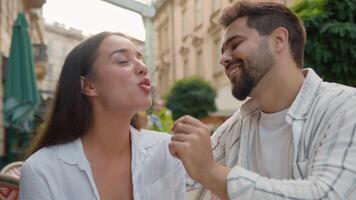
(217, 68)
(185, 22)
(164, 79)
(215, 5)
(198, 12)
(165, 37)
(199, 63)
(9, 19)
(159, 42)
(185, 68)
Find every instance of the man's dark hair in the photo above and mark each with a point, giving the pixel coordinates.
(265, 17)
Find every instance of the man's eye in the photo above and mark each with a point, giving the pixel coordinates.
(235, 45)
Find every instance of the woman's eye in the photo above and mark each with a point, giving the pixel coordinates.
(122, 62)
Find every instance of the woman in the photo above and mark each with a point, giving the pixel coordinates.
(92, 146)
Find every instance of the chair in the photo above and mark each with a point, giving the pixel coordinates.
(12, 169)
(9, 187)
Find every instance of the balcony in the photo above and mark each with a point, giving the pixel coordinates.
(39, 52)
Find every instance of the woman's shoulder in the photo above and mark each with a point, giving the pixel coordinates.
(42, 155)
(38, 162)
(47, 157)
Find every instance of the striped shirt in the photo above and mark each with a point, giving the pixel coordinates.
(323, 120)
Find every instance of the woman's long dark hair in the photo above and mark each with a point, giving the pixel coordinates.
(71, 114)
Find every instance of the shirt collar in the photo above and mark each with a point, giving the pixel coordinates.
(72, 153)
(251, 105)
(140, 139)
(300, 106)
(302, 102)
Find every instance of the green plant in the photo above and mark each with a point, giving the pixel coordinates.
(191, 96)
(160, 120)
(331, 41)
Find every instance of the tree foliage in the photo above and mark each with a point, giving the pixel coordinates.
(191, 96)
(331, 38)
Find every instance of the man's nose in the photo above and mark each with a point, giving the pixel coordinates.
(225, 60)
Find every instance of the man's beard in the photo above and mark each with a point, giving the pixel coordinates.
(253, 69)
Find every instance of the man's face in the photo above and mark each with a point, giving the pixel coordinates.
(246, 57)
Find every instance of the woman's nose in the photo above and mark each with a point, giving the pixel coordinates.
(141, 68)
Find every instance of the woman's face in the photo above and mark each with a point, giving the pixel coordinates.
(120, 78)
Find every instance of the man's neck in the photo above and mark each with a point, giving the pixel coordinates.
(278, 89)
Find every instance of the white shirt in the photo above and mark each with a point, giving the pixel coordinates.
(63, 172)
(273, 146)
(323, 121)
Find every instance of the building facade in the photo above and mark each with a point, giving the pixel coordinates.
(59, 41)
(187, 43)
(8, 13)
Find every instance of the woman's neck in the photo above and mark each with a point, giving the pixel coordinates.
(109, 134)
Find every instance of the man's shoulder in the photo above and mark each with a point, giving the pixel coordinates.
(332, 88)
(332, 99)
(229, 123)
(336, 95)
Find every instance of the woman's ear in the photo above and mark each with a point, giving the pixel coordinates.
(87, 87)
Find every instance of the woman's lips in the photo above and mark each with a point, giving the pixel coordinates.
(145, 88)
(145, 85)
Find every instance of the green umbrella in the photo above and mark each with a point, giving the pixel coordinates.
(21, 97)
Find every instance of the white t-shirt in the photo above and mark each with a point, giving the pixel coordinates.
(273, 150)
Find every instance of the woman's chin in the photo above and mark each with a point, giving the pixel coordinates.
(145, 105)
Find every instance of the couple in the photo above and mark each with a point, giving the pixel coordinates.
(293, 139)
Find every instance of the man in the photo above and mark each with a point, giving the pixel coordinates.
(293, 139)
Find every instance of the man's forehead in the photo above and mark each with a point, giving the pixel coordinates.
(236, 27)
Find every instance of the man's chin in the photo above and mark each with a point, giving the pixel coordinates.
(241, 93)
(239, 96)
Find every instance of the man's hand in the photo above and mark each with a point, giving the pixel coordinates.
(191, 143)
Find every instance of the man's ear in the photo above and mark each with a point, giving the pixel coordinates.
(87, 87)
(280, 38)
